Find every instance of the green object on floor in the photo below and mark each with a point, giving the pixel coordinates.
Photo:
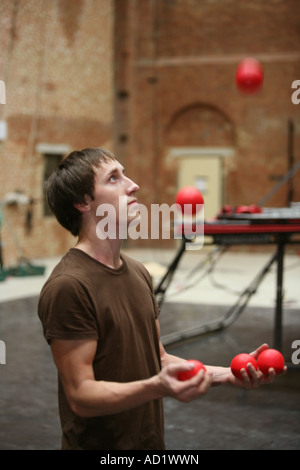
(26, 269)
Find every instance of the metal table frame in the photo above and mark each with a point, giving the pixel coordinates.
(225, 235)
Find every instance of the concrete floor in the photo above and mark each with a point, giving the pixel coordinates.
(226, 418)
(232, 419)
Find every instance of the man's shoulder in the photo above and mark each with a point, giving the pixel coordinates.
(67, 273)
(138, 267)
(134, 263)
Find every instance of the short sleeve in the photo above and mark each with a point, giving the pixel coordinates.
(66, 310)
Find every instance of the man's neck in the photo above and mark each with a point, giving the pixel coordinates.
(106, 251)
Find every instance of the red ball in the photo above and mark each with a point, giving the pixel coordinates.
(189, 195)
(249, 75)
(270, 358)
(240, 362)
(188, 374)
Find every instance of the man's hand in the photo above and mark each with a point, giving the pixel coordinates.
(251, 379)
(256, 377)
(187, 390)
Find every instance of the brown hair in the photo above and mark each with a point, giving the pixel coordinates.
(71, 181)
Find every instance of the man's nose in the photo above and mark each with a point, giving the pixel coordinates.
(132, 187)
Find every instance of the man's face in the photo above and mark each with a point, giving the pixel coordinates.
(114, 188)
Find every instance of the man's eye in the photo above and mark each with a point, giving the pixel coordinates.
(112, 179)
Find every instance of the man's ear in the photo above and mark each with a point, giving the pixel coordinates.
(83, 206)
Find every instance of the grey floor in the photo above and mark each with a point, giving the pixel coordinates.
(226, 418)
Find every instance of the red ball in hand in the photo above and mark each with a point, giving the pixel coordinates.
(188, 374)
(270, 358)
(240, 362)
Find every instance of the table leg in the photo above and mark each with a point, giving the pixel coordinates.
(279, 297)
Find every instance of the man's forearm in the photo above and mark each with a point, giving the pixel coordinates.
(99, 398)
(221, 375)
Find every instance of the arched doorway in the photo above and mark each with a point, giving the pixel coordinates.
(201, 138)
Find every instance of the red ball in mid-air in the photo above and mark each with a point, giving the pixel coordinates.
(189, 198)
(249, 75)
(188, 374)
(240, 362)
(270, 358)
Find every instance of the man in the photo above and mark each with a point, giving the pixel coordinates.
(100, 317)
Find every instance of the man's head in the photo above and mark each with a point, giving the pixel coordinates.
(71, 182)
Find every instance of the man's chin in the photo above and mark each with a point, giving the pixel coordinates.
(134, 219)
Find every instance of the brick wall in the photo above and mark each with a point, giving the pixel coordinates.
(181, 92)
(56, 61)
(140, 78)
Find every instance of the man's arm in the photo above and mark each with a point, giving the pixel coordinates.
(223, 375)
(88, 397)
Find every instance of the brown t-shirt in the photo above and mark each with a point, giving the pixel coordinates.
(84, 299)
